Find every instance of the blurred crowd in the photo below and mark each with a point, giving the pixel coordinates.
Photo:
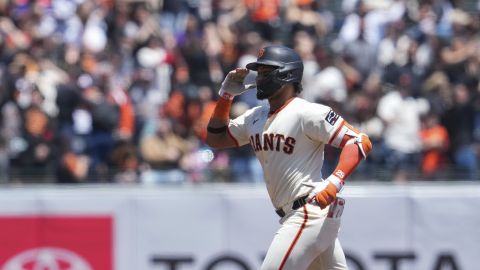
(122, 90)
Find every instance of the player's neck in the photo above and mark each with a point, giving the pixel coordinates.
(280, 98)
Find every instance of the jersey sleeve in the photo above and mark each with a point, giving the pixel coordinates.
(321, 123)
(237, 129)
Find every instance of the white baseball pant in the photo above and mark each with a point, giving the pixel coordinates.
(306, 240)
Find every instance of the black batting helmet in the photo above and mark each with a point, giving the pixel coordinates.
(288, 69)
(288, 62)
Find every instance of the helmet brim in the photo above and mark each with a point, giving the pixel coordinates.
(254, 65)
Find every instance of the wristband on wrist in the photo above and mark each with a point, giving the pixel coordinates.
(217, 130)
(225, 94)
(336, 181)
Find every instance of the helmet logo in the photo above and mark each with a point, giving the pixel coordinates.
(261, 52)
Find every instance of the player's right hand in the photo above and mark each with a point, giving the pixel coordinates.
(233, 84)
(326, 196)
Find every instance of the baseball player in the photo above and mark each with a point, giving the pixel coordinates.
(289, 136)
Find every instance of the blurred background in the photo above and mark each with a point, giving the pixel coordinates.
(98, 94)
(121, 91)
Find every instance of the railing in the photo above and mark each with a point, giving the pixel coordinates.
(30, 175)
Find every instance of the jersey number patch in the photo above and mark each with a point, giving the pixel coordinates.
(332, 117)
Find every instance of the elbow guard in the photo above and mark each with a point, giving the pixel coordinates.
(347, 134)
(363, 142)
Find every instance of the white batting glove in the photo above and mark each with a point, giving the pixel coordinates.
(233, 84)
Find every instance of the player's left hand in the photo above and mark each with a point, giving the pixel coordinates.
(327, 195)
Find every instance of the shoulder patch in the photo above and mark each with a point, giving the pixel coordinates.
(332, 117)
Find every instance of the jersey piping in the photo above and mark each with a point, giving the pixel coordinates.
(233, 138)
(336, 132)
(281, 108)
(295, 240)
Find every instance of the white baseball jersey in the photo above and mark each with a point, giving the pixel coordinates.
(289, 143)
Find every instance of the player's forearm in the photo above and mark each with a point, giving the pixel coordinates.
(218, 124)
(216, 133)
(350, 156)
(348, 161)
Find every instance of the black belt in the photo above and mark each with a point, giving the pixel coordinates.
(296, 204)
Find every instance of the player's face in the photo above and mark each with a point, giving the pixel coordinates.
(263, 71)
(266, 86)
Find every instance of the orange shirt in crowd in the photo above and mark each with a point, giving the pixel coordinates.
(127, 118)
(435, 140)
(263, 10)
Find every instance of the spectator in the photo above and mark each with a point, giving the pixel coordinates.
(328, 85)
(360, 53)
(173, 14)
(362, 114)
(455, 56)
(163, 151)
(401, 113)
(104, 116)
(459, 121)
(265, 16)
(72, 167)
(435, 143)
(194, 53)
(39, 153)
(303, 16)
(126, 163)
(4, 162)
(369, 18)
(305, 46)
(200, 111)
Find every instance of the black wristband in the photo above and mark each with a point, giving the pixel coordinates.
(217, 130)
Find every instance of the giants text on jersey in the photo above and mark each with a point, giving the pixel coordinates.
(273, 142)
